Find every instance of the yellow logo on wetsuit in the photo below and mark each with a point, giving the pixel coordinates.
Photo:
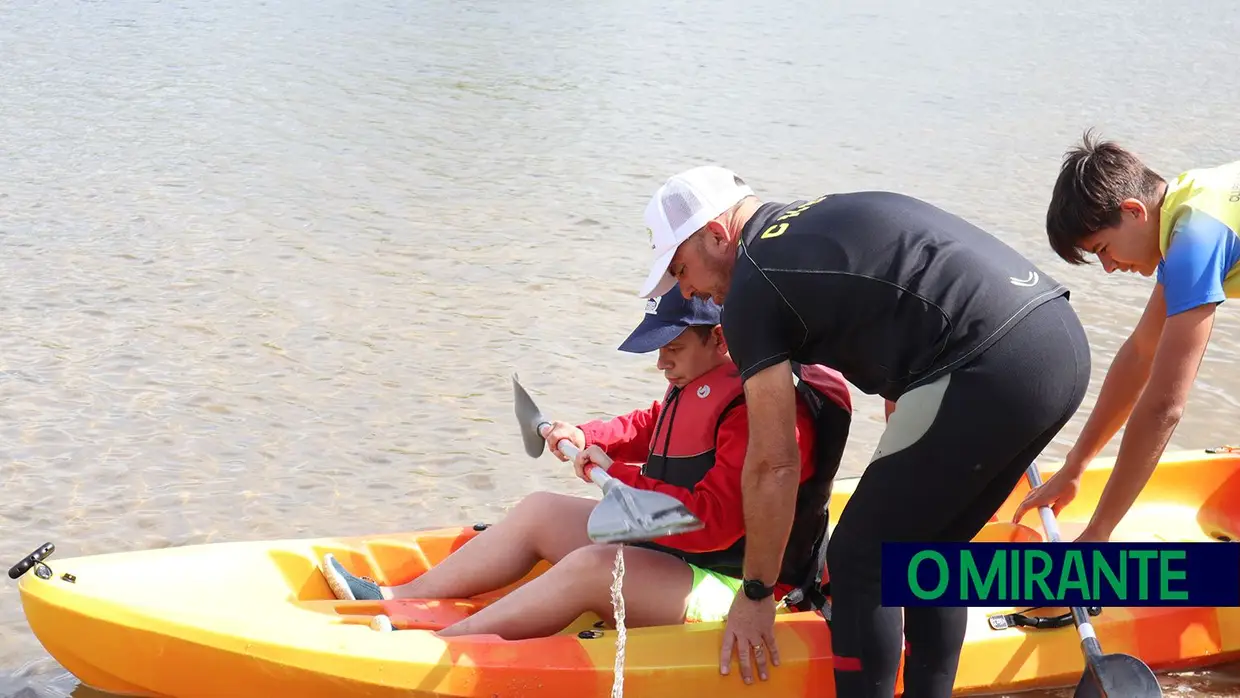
(778, 228)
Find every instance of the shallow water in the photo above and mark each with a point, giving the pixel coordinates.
(267, 267)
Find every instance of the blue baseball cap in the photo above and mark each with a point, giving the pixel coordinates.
(666, 318)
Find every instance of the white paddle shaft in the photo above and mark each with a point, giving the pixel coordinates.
(596, 474)
(1048, 522)
(1084, 628)
(1048, 516)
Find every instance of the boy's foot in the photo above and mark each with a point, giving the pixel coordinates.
(348, 587)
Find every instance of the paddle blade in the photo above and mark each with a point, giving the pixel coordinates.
(528, 419)
(1118, 675)
(626, 514)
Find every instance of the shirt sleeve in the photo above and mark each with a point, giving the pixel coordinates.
(760, 327)
(1202, 251)
(625, 438)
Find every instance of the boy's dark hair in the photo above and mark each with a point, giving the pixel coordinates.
(703, 332)
(1096, 177)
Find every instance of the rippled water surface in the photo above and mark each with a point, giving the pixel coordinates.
(266, 267)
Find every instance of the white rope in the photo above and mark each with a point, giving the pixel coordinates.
(617, 605)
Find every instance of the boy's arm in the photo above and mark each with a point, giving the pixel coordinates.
(1125, 379)
(625, 438)
(1191, 278)
(1155, 416)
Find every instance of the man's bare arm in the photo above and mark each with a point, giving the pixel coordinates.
(771, 472)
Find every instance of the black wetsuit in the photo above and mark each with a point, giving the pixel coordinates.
(979, 349)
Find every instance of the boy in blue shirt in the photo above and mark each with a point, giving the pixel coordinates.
(1106, 202)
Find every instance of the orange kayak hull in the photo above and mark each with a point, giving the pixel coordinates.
(257, 618)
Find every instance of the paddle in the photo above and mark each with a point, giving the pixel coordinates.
(1106, 675)
(625, 513)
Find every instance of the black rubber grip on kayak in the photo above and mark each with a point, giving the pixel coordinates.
(31, 560)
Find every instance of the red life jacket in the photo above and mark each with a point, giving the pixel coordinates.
(682, 447)
(682, 451)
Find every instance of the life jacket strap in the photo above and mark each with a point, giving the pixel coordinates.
(812, 594)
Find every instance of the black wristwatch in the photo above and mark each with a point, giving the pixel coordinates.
(755, 590)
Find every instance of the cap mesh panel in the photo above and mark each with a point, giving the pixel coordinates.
(679, 205)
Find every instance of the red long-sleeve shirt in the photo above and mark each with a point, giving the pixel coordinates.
(717, 499)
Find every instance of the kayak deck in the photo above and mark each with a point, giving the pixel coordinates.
(257, 618)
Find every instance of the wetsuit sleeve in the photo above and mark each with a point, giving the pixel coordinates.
(715, 499)
(760, 327)
(625, 438)
(1202, 251)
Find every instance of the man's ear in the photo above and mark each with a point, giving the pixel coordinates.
(716, 234)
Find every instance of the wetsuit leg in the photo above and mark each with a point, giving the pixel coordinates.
(952, 452)
(933, 637)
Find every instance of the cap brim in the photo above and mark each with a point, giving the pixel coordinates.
(659, 281)
(651, 335)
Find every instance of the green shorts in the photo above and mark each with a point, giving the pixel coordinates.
(711, 596)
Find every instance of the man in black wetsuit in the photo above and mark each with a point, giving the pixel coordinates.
(975, 348)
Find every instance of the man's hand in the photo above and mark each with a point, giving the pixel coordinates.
(563, 430)
(751, 625)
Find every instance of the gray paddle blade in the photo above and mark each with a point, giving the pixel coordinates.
(1118, 675)
(626, 514)
(528, 419)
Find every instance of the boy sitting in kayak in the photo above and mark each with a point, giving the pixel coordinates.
(691, 445)
(1106, 202)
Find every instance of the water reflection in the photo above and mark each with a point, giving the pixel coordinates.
(267, 267)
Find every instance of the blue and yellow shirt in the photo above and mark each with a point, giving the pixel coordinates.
(1200, 238)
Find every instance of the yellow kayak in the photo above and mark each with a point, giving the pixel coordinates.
(257, 618)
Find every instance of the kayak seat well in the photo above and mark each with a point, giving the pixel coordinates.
(390, 561)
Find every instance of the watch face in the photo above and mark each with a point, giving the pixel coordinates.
(755, 590)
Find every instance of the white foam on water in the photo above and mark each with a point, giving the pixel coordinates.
(617, 605)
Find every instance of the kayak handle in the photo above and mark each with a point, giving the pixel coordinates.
(36, 558)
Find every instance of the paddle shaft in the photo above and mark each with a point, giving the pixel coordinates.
(1089, 641)
(596, 474)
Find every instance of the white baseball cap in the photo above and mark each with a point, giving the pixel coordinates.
(680, 208)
